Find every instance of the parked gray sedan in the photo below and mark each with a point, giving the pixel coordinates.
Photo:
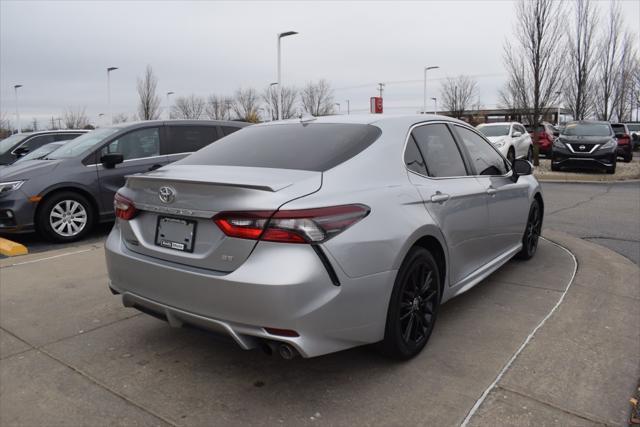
(315, 235)
(63, 194)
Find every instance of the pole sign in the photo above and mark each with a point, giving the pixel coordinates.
(376, 105)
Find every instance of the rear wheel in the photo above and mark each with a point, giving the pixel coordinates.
(65, 217)
(628, 156)
(531, 232)
(413, 306)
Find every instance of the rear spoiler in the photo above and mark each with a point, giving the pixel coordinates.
(255, 186)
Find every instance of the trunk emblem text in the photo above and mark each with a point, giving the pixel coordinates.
(167, 194)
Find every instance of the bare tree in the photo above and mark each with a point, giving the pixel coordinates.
(317, 98)
(246, 104)
(120, 118)
(578, 87)
(457, 94)
(627, 78)
(34, 123)
(534, 61)
(75, 118)
(608, 58)
(189, 107)
(218, 107)
(149, 103)
(5, 125)
(289, 96)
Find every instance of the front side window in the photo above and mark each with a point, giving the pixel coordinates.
(38, 141)
(82, 144)
(484, 157)
(439, 150)
(138, 144)
(187, 139)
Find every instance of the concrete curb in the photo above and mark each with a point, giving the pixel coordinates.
(582, 366)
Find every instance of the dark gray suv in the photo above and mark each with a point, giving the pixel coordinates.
(64, 194)
(19, 144)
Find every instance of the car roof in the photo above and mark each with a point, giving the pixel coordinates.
(44, 132)
(368, 119)
(143, 123)
(500, 123)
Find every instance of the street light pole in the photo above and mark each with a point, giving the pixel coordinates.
(15, 88)
(109, 70)
(271, 101)
(424, 94)
(435, 106)
(348, 107)
(280, 36)
(169, 105)
(558, 118)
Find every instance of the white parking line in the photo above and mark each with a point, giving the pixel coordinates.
(485, 393)
(51, 257)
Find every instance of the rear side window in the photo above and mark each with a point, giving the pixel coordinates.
(67, 136)
(137, 144)
(187, 139)
(38, 141)
(228, 130)
(308, 146)
(439, 150)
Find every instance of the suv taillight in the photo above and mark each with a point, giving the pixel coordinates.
(291, 226)
(125, 209)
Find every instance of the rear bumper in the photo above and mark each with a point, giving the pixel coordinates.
(279, 286)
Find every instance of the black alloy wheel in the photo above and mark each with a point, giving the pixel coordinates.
(531, 232)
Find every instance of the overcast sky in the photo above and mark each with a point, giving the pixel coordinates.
(59, 50)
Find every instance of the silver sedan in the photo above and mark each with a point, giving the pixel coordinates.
(312, 236)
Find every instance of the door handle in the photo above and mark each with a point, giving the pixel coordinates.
(154, 167)
(491, 191)
(439, 197)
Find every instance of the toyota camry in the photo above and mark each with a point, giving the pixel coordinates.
(314, 235)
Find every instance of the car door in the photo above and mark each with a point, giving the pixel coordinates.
(140, 149)
(507, 201)
(455, 200)
(184, 139)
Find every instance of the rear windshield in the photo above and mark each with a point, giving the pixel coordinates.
(618, 128)
(587, 129)
(494, 130)
(310, 146)
(633, 128)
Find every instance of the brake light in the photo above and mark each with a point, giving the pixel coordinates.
(291, 226)
(125, 209)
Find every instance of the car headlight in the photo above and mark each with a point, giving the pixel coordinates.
(8, 186)
(499, 143)
(606, 146)
(558, 143)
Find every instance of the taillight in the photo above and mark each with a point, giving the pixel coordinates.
(291, 226)
(125, 209)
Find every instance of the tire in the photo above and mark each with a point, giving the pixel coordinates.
(65, 217)
(612, 170)
(628, 157)
(531, 232)
(511, 156)
(530, 154)
(554, 167)
(412, 310)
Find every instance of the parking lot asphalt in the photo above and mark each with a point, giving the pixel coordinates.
(72, 355)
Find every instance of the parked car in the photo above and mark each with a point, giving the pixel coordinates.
(19, 144)
(41, 152)
(510, 138)
(585, 144)
(622, 134)
(546, 135)
(65, 193)
(315, 235)
(634, 128)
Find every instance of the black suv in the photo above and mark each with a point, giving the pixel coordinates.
(585, 144)
(19, 144)
(65, 193)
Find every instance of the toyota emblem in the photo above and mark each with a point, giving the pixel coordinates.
(167, 194)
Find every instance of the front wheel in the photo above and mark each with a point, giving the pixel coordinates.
(531, 232)
(530, 154)
(65, 217)
(413, 306)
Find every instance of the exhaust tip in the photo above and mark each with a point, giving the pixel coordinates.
(287, 352)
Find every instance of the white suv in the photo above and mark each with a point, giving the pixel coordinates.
(510, 138)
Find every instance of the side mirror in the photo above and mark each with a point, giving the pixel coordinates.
(556, 134)
(521, 167)
(110, 160)
(516, 134)
(19, 152)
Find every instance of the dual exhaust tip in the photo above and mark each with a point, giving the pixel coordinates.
(284, 350)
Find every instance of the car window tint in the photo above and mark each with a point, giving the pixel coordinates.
(187, 139)
(413, 158)
(302, 146)
(136, 145)
(484, 157)
(38, 141)
(228, 130)
(67, 136)
(439, 150)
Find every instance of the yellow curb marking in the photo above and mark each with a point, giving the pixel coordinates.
(9, 248)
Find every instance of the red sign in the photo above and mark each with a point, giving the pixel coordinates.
(376, 104)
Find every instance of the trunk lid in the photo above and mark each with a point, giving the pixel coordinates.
(199, 193)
